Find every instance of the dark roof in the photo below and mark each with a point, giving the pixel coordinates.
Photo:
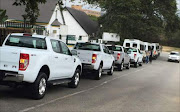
(84, 20)
(46, 11)
(56, 23)
(16, 12)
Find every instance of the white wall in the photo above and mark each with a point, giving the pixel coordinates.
(111, 37)
(72, 27)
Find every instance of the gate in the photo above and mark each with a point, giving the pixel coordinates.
(18, 27)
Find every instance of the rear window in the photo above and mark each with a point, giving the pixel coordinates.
(135, 45)
(28, 42)
(142, 47)
(87, 46)
(157, 47)
(173, 53)
(127, 44)
(131, 50)
(115, 48)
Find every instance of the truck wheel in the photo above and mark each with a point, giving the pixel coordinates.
(135, 64)
(128, 66)
(121, 66)
(98, 73)
(111, 70)
(39, 86)
(140, 64)
(75, 80)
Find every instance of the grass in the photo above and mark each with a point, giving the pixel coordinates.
(169, 49)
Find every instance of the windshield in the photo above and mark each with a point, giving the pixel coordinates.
(115, 48)
(87, 46)
(172, 53)
(28, 42)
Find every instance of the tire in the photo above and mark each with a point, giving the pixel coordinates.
(39, 86)
(140, 64)
(98, 73)
(135, 64)
(121, 66)
(111, 70)
(129, 65)
(75, 80)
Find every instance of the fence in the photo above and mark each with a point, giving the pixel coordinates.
(18, 27)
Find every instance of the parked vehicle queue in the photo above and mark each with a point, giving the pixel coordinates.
(36, 61)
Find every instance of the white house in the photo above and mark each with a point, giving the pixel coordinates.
(110, 37)
(71, 25)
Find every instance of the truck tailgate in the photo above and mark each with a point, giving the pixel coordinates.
(9, 59)
(85, 56)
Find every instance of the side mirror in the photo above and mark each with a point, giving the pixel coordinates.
(73, 52)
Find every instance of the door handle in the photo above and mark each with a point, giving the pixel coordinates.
(56, 57)
(66, 58)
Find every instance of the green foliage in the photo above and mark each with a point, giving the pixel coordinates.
(31, 8)
(147, 20)
(3, 16)
(94, 18)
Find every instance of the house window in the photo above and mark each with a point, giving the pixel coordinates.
(80, 37)
(60, 37)
(54, 31)
(71, 37)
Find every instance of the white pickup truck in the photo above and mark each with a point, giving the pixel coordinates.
(37, 60)
(136, 56)
(96, 58)
(122, 59)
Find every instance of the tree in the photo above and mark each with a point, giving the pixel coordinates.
(3, 16)
(147, 20)
(31, 8)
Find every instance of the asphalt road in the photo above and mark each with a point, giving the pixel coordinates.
(152, 88)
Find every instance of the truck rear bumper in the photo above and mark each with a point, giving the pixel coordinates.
(88, 66)
(9, 76)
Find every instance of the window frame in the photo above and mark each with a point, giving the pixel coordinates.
(69, 52)
(59, 46)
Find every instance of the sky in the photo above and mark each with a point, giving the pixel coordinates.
(178, 4)
(96, 8)
(80, 2)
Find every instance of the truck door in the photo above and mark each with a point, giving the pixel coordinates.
(69, 61)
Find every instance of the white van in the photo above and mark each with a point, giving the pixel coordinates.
(147, 46)
(156, 50)
(134, 43)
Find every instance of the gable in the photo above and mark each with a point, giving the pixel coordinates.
(84, 21)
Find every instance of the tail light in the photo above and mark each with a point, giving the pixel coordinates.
(135, 56)
(23, 62)
(94, 57)
(118, 56)
(154, 52)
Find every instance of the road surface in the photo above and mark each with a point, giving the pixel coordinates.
(152, 88)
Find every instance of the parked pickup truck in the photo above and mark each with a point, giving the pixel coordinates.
(95, 58)
(35, 60)
(136, 56)
(122, 59)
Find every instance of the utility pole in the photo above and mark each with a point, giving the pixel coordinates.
(24, 17)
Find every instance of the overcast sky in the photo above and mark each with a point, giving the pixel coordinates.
(80, 2)
(178, 4)
(93, 7)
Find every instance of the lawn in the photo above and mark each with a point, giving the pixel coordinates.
(169, 49)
